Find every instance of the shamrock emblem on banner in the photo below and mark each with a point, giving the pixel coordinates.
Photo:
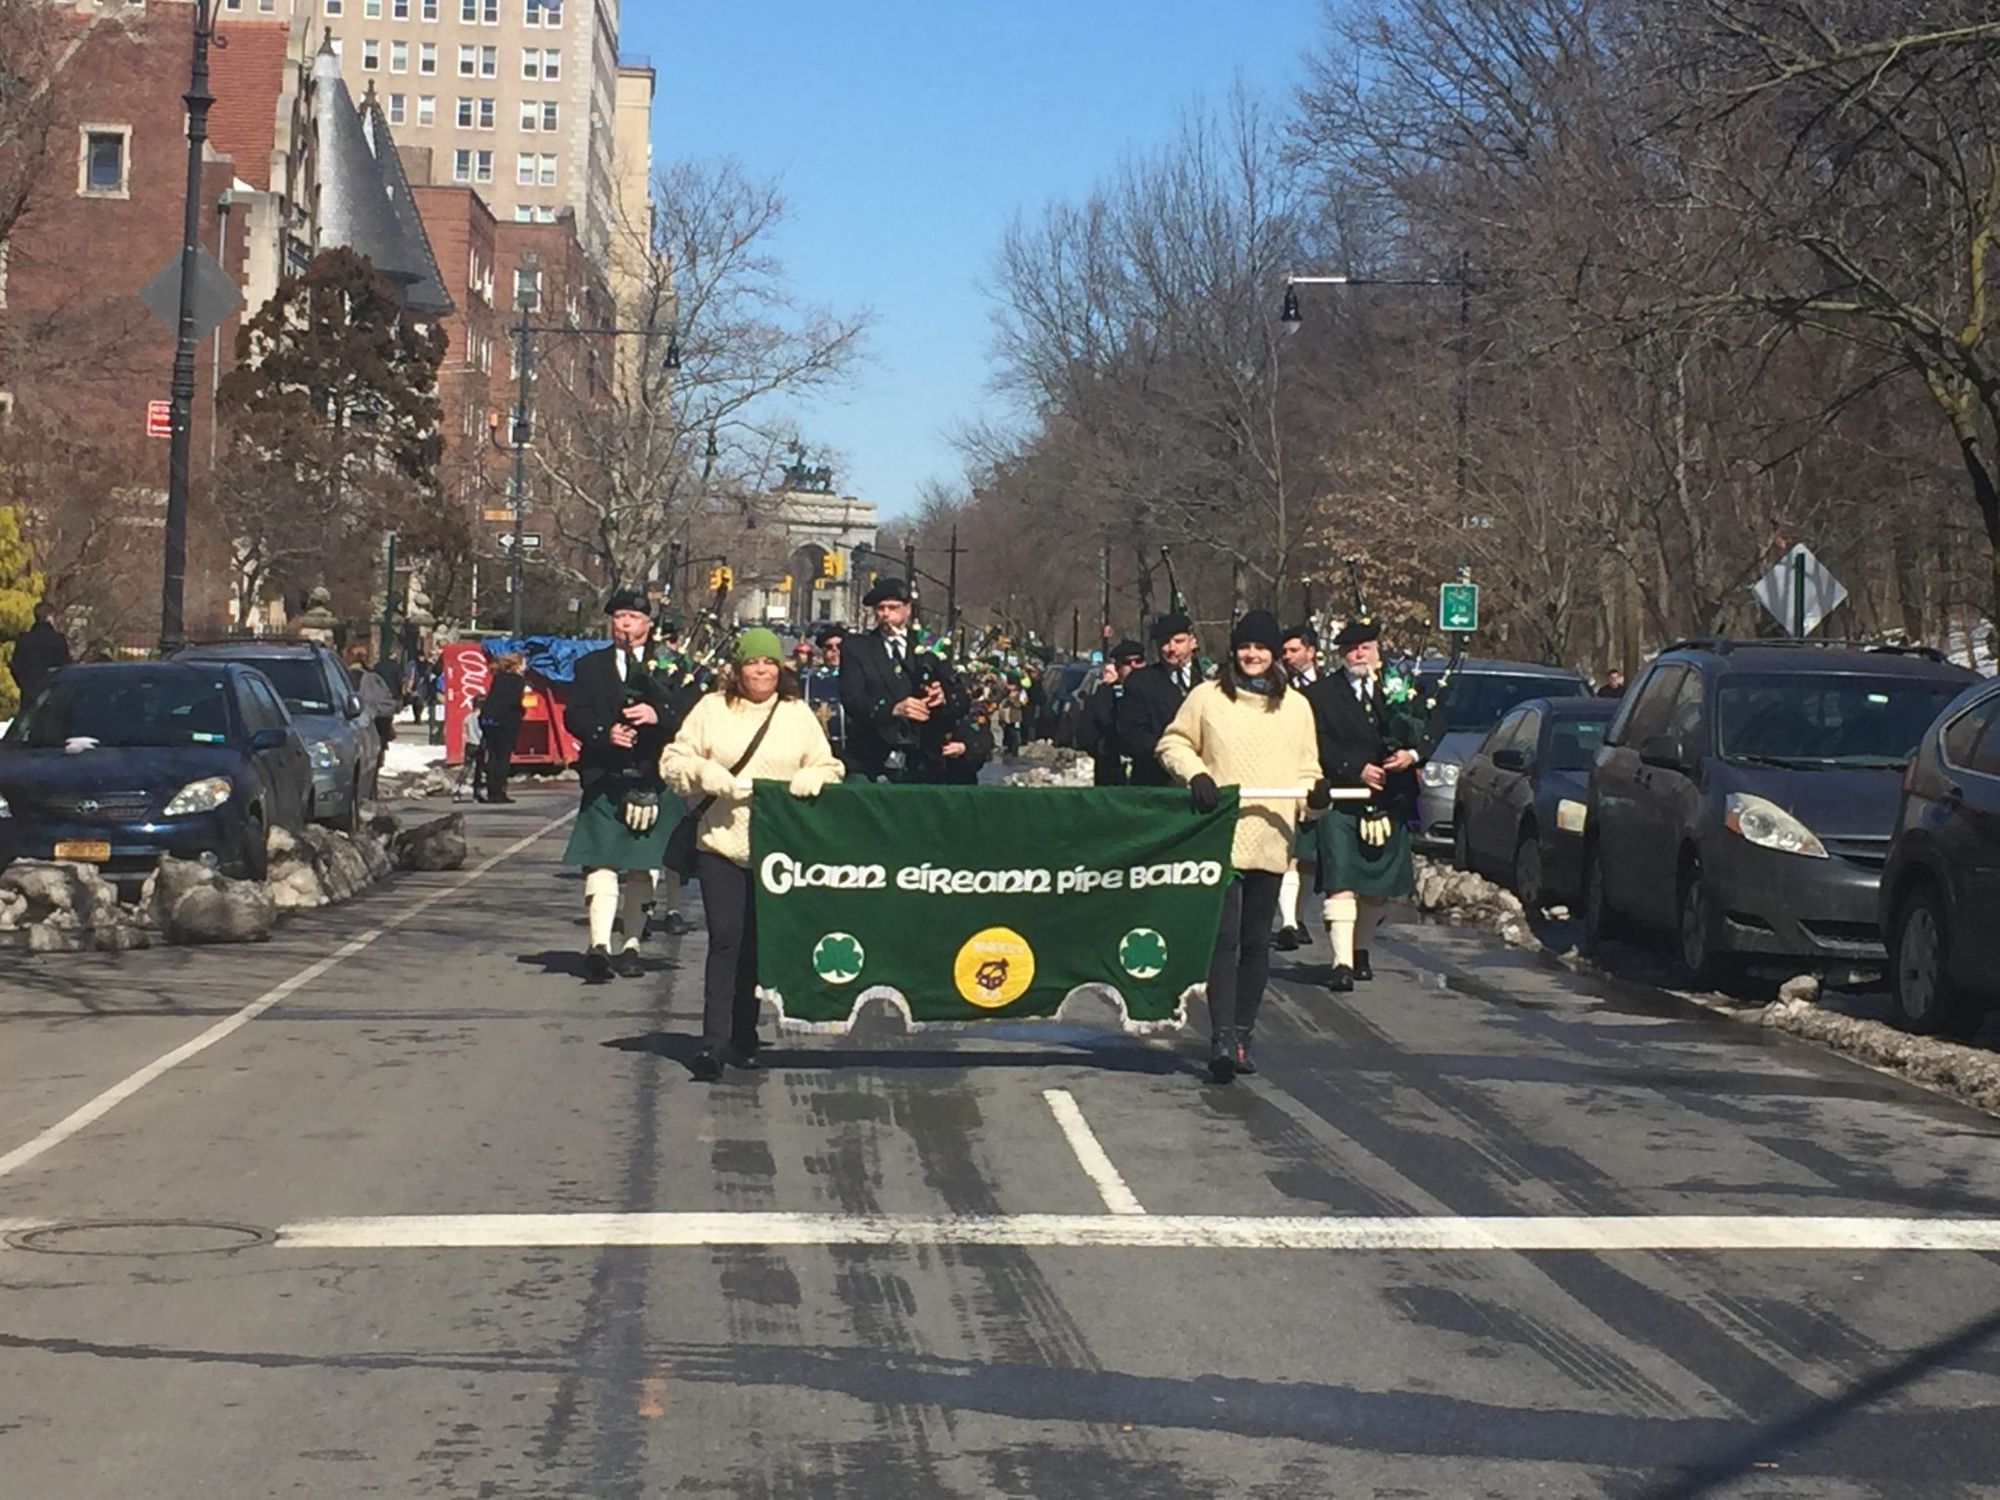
(1142, 953)
(838, 958)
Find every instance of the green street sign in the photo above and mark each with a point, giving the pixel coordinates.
(1458, 607)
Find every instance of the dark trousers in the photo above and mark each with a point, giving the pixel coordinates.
(498, 751)
(1242, 958)
(729, 984)
(1108, 770)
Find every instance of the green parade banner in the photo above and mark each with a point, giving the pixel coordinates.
(974, 903)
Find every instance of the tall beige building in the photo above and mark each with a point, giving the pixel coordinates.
(517, 99)
(640, 286)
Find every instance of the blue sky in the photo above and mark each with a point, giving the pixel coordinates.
(906, 134)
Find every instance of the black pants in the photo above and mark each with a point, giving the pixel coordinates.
(729, 985)
(1108, 770)
(1242, 959)
(498, 751)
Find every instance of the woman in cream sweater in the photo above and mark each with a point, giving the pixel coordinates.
(1247, 728)
(712, 763)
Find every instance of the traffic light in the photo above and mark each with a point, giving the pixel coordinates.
(727, 580)
(715, 578)
(785, 584)
(829, 565)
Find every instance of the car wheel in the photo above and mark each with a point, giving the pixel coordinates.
(1705, 964)
(1461, 845)
(256, 848)
(350, 820)
(1528, 882)
(1919, 967)
(1600, 922)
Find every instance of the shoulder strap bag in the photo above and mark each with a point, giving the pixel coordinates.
(681, 842)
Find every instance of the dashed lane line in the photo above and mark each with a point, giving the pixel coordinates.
(119, 1092)
(1090, 1153)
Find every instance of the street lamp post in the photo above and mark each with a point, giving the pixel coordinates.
(173, 586)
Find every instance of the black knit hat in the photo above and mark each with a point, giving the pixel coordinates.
(1128, 651)
(1258, 627)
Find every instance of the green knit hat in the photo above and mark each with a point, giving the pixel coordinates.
(755, 642)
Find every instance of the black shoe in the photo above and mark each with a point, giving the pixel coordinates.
(597, 964)
(1363, 970)
(1245, 1063)
(627, 965)
(1222, 1059)
(745, 1057)
(1342, 982)
(706, 1065)
(1286, 940)
(678, 925)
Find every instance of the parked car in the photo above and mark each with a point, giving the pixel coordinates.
(1745, 796)
(1940, 897)
(339, 735)
(119, 763)
(1519, 814)
(1477, 694)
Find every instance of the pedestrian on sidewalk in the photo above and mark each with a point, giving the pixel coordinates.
(1249, 729)
(757, 727)
(500, 721)
(619, 712)
(38, 652)
(1370, 726)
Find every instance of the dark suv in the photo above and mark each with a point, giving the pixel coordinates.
(1745, 794)
(1941, 888)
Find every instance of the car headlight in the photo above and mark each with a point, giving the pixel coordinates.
(1440, 773)
(325, 757)
(200, 797)
(1769, 826)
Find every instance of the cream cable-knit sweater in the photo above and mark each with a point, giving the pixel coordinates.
(1247, 742)
(717, 732)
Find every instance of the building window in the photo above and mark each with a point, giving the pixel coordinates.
(371, 55)
(489, 62)
(399, 57)
(531, 115)
(468, 61)
(427, 58)
(430, 10)
(468, 12)
(464, 114)
(543, 63)
(523, 214)
(524, 169)
(490, 13)
(399, 10)
(549, 112)
(482, 166)
(548, 171)
(461, 166)
(334, 7)
(544, 214)
(542, 13)
(371, 10)
(527, 290)
(486, 113)
(105, 161)
(427, 109)
(399, 106)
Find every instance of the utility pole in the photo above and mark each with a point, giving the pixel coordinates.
(1104, 585)
(524, 354)
(388, 597)
(173, 585)
(1464, 412)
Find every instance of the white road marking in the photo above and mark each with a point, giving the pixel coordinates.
(118, 1093)
(1090, 1154)
(1595, 1235)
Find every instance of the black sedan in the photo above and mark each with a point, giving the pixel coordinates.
(118, 764)
(1519, 812)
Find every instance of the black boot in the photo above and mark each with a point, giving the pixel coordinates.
(627, 965)
(744, 1055)
(1342, 982)
(1286, 940)
(706, 1065)
(1245, 1063)
(1222, 1059)
(1363, 970)
(597, 964)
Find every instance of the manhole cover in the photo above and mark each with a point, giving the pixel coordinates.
(140, 1237)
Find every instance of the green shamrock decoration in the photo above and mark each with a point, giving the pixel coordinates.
(838, 958)
(1143, 953)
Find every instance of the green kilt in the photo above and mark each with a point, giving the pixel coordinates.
(1347, 864)
(1305, 843)
(599, 839)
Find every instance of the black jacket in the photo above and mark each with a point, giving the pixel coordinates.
(1352, 736)
(37, 653)
(596, 702)
(503, 698)
(1147, 707)
(871, 685)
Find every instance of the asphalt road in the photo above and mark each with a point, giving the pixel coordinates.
(438, 1220)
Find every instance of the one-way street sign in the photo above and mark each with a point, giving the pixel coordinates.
(529, 539)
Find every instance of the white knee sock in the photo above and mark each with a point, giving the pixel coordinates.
(634, 891)
(1367, 918)
(1340, 912)
(1288, 898)
(600, 904)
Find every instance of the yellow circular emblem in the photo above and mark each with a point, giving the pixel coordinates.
(994, 968)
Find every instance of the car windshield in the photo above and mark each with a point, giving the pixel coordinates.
(1573, 743)
(1479, 700)
(122, 708)
(1821, 719)
(298, 679)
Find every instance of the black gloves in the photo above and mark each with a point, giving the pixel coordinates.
(1320, 798)
(1202, 794)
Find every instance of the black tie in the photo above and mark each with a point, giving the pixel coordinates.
(1181, 678)
(633, 669)
(896, 649)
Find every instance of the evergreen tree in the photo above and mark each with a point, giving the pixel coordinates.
(20, 591)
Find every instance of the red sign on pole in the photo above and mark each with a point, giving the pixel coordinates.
(159, 419)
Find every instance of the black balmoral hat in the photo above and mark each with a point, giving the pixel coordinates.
(628, 599)
(1357, 633)
(1167, 626)
(889, 590)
